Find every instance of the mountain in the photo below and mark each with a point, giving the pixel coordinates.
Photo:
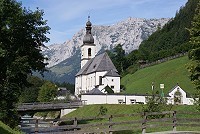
(64, 59)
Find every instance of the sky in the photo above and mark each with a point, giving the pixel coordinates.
(67, 17)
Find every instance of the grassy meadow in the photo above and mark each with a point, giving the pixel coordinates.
(89, 111)
(168, 73)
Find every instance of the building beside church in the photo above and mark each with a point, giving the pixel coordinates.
(97, 71)
(176, 96)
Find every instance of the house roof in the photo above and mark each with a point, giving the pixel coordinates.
(173, 88)
(112, 73)
(95, 91)
(99, 63)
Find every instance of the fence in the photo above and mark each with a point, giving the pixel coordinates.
(140, 122)
(162, 60)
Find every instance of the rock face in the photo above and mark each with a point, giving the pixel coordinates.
(63, 62)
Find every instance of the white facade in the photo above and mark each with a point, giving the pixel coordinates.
(135, 99)
(85, 83)
(87, 52)
(179, 96)
(96, 71)
(113, 99)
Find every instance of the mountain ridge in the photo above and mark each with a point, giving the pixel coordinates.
(129, 33)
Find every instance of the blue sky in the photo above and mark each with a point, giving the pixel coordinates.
(66, 17)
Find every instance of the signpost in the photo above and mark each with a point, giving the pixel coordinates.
(162, 87)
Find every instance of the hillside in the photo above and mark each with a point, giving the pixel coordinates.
(169, 73)
(172, 38)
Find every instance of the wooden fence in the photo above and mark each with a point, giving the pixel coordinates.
(162, 60)
(124, 122)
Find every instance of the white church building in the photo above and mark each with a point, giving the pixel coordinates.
(96, 70)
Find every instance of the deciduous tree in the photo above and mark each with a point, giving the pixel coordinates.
(22, 34)
(47, 92)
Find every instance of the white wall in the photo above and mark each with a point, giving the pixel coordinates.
(85, 83)
(112, 99)
(84, 53)
(184, 99)
(112, 81)
(125, 99)
(66, 111)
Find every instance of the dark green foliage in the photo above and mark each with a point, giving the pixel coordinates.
(48, 92)
(118, 58)
(170, 40)
(108, 90)
(194, 54)
(22, 33)
(156, 103)
(30, 94)
(68, 86)
(102, 111)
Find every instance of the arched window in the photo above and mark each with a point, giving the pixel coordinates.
(89, 51)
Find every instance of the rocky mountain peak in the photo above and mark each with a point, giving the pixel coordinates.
(129, 33)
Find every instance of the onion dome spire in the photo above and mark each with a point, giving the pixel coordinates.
(88, 38)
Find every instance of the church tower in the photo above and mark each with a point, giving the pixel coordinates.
(88, 47)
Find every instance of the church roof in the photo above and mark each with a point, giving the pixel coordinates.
(99, 63)
(112, 73)
(95, 91)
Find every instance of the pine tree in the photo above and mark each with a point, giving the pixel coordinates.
(194, 54)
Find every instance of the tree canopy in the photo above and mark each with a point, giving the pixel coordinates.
(22, 34)
(194, 53)
(48, 92)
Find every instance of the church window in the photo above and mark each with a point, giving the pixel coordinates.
(94, 66)
(112, 80)
(112, 87)
(133, 101)
(100, 80)
(120, 101)
(89, 51)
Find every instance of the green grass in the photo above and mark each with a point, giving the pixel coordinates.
(116, 109)
(4, 129)
(169, 73)
(93, 110)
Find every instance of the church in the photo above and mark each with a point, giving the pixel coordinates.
(97, 71)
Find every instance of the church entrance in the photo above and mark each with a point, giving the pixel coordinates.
(178, 98)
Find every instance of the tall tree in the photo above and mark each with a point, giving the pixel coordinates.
(118, 58)
(47, 92)
(30, 94)
(22, 34)
(194, 54)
